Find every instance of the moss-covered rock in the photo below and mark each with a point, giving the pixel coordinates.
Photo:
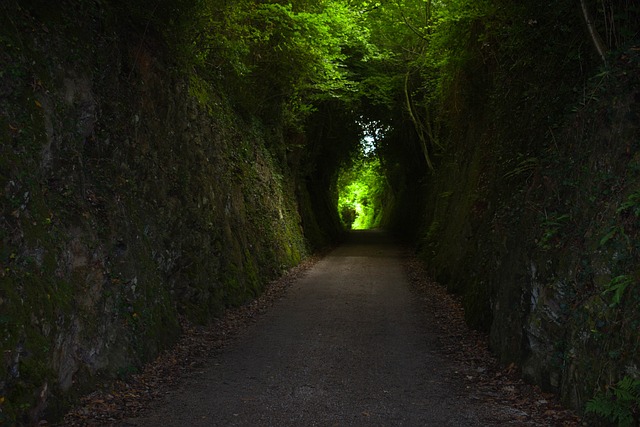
(132, 194)
(532, 212)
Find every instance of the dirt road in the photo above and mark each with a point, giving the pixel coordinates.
(346, 346)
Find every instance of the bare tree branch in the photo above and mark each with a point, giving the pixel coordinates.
(595, 37)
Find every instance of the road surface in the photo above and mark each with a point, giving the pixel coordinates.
(346, 346)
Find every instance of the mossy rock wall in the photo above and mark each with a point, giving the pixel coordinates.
(532, 213)
(132, 194)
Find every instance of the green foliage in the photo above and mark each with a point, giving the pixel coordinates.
(551, 226)
(361, 190)
(617, 287)
(279, 58)
(613, 231)
(632, 204)
(618, 404)
(618, 239)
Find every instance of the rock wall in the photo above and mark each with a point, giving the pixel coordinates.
(132, 194)
(532, 213)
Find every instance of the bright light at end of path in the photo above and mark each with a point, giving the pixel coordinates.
(368, 144)
(361, 185)
(373, 131)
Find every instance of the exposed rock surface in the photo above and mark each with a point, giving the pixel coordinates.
(130, 195)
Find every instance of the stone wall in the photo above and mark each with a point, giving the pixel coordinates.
(132, 195)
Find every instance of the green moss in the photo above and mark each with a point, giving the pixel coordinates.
(251, 275)
(154, 198)
(28, 327)
(200, 90)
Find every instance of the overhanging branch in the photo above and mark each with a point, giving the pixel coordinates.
(593, 32)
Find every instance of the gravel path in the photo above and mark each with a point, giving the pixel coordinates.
(347, 345)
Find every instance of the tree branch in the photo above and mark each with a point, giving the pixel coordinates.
(595, 37)
(417, 124)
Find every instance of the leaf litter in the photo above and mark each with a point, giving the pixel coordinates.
(128, 398)
(518, 403)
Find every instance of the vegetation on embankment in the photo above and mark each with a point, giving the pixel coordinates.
(532, 208)
(135, 189)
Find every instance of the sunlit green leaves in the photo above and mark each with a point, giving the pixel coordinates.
(283, 56)
(289, 56)
(360, 192)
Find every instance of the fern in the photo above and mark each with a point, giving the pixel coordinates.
(619, 404)
(632, 203)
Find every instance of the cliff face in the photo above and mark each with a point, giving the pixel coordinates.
(132, 194)
(532, 212)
